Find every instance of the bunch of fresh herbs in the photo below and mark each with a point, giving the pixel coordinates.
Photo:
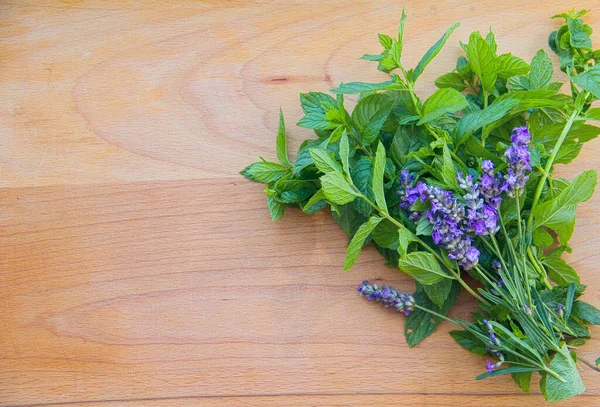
(462, 183)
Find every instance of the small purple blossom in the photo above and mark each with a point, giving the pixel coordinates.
(482, 218)
(388, 297)
(408, 195)
(519, 162)
(490, 366)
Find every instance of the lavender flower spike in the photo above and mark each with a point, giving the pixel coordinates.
(388, 297)
(519, 162)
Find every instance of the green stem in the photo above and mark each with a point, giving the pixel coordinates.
(548, 167)
(438, 315)
(539, 269)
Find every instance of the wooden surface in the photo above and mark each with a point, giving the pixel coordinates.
(138, 269)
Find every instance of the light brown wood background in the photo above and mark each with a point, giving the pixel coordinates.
(137, 268)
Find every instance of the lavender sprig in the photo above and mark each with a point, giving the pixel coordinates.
(388, 297)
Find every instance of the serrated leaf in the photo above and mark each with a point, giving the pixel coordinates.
(275, 208)
(420, 324)
(370, 114)
(405, 237)
(476, 120)
(294, 191)
(281, 144)
(482, 61)
(386, 235)
(510, 65)
(563, 364)
(542, 238)
(337, 189)
(451, 80)
(385, 41)
(407, 139)
(433, 51)
(362, 176)
(589, 80)
(423, 267)
(593, 114)
(378, 172)
(345, 152)
(438, 292)
(523, 380)
(469, 341)
(560, 211)
(324, 162)
(264, 172)
(579, 38)
(587, 312)
(321, 111)
(445, 100)
(316, 198)
(351, 88)
(559, 271)
(540, 75)
(358, 241)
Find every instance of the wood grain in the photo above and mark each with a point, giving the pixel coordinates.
(138, 268)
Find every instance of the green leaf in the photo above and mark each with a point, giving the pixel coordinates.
(476, 120)
(281, 142)
(264, 172)
(348, 218)
(587, 312)
(357, 87)
(401, 33)
(523, 380)
(560, 211)
(420, 324)
(316, 198)
(451, 80)
(369, 115)
(337, 189)
(407, 139)
(542, 238)
(386, 235)
(385, 41)
(423, 267)
(507, 370)
(510, 65)
(563, 364)
(589, 80)
(438, 292)
(294, 191)
(362, 176)
(345, 152)
(559, 271)
(324, 162)
(358, 241)
(579, 38)
(446, 100)
(540, 75)
(275, 208)
(405, 237)
(378, 171)
(482, 61)
(433, 51)
(424, 227)
(593, 114)
(321, 111)
(469, 341)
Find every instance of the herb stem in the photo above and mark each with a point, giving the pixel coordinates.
(548, 167)
(539, 269)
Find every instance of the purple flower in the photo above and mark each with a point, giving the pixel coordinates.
(409, 195)
(490, 366)
(481, 215)
(490, 184)
(519, 162)
(388, 297)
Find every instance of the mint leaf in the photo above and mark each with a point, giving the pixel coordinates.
(510, 65)
(315, 203)
(264, 172)
(523, 380)
(407, 139)
(294, 191)
(324, 162)
(345, 152)
(275, 208)
(433, 51)
(362, 176)
(405, 237)
(281, 144)
(378, 171)
(563, 364)
(358, 240)
(451, 80)
(336, 188)
(357, 87)
(542, 238)
(589, 80)
(559, 271)
(438, 292)
(369, 115)
(423, 267)
(446, 100)
(587, 312)
(540, 75)
(482, 61)
(386, 235)
(593, 114)
(476, 120)
(321, 111)
(385, 41)
(560, 211)
(469, 341)
(579, 38)
(420, 324)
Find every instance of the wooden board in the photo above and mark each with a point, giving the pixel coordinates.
(139, 269)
